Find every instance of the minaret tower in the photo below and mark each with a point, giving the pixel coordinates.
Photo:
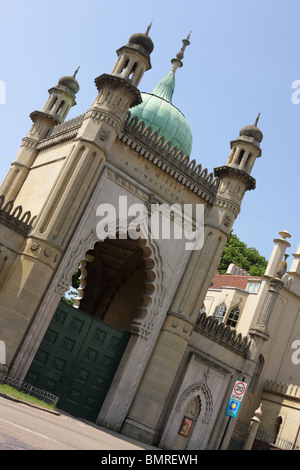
(117, 92)
(235, 178)
(61, 99)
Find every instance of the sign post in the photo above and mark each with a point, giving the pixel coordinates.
(235, 399)
(234, 403)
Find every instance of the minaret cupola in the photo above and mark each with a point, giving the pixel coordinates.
(134, 58)
(62, 97)
(246, 148)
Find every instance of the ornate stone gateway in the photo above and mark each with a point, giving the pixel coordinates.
(77, 360)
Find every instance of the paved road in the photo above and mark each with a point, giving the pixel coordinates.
(23, 427)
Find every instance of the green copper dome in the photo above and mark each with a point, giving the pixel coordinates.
(158, 112)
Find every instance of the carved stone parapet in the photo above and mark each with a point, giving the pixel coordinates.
(51, 119)
(225, 335)
(15, 216)
(115, 83)
(230, 172)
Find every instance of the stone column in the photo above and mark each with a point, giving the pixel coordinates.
(260, 332)
(264, 317)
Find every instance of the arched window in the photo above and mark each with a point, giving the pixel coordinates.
(277, 426)
(240, 157)
(60, 107)
(220, 312)
(233, 317)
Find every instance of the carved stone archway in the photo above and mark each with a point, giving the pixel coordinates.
(145, 327)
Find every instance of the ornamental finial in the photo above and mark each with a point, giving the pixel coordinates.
(177, 62)
(75, 73)
(256, 120)
(148, 29)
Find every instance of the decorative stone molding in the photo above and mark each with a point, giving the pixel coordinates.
(115, 82)
(57, 139)
(231, 172)
(27, 142)
(105, 117)
(234, 209)
(40, 250)
(179, 325)
(223, 334)
(193, 390)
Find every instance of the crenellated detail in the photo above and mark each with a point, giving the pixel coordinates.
(225, 334)
(175, 156)
(15, 216)
(282, 388)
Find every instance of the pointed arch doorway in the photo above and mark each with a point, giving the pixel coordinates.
(82, 347)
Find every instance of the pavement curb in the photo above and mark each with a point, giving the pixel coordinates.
(17, 400)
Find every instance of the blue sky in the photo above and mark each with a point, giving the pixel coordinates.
(242, 60)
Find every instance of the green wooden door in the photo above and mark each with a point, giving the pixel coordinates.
(77, 360)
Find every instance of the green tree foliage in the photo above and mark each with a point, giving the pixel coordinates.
(69, 298)
(237, 252)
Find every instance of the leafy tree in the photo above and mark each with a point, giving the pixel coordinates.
(71, 294)
(237, 252)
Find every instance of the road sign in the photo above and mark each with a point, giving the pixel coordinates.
(236, 398)
(238, 391)
(232, 408)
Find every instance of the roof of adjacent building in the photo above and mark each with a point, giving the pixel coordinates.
(220, 281)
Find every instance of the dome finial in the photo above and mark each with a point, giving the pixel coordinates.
(148, 29)
(76, 71)
(256, 120)
(177, 62)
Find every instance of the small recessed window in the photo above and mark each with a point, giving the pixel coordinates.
(253, 287)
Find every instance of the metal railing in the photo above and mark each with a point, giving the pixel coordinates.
(241, 432)
(273, 440)
(30, 390)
